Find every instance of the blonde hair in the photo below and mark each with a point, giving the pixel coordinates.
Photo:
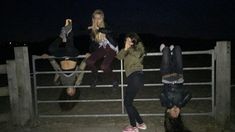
(95, 35)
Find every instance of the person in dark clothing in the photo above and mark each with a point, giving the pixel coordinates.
(103, 46)
(173, 96)
(133, 55)
(64, 48)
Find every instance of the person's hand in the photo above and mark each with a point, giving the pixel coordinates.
(94, 25)
(68, 21)
(45, 56)
(128, 43)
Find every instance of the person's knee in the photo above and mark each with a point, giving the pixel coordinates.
(90, 62)
(177, 48)
(105, 67)
(51, 50)
(166, 50)
(87, 55)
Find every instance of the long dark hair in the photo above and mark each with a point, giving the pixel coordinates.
(66, 106)
(174, 124)
(134, 38)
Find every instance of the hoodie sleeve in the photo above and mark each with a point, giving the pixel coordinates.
(122, 54)
(138, 51)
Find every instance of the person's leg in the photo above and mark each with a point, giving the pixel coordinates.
(54, 48)
(82, 67)
(95, 56)
(166, 61)
(177, 60)
(134, 84)
(90, 62)
(106, 65)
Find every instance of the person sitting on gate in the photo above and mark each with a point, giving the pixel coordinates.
(173, 96)
(64, 48)
(102, 46)
(133, 55)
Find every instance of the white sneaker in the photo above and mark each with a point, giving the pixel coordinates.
(142, 126)
(171, 47)
(162, 46)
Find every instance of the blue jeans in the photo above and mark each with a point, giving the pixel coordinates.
(135, 81)
(171, 63)
(173, 94)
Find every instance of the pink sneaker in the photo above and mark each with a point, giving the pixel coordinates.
(142, 126)
(130, 129)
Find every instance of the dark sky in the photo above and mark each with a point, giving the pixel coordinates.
(35, 20)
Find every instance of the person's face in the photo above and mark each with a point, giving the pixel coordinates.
(174, 112)
(97, 19)
(71, 91)
(129, 41)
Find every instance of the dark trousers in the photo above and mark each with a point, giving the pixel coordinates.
(108, 56)
(59, 49)
(135, 82)
(172, 63)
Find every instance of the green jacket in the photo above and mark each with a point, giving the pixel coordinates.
(133, 58)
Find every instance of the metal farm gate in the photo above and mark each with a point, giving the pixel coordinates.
(211, 84)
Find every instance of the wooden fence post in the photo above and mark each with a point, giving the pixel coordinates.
(13, 92)
(24, 84)
(223, 82)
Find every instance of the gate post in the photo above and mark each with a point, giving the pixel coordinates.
(13, 91)
(223, 82)
(24, 85)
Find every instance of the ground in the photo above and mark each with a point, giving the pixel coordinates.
(107, 124)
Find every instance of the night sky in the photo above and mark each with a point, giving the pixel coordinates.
(35, 20)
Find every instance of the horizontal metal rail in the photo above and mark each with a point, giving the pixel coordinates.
(119, 115)
(109, 100)
(148, 54)
(100, 71)
(125, 85)
(184, 53)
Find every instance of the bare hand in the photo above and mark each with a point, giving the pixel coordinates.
(68, 21)
(128, 43)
